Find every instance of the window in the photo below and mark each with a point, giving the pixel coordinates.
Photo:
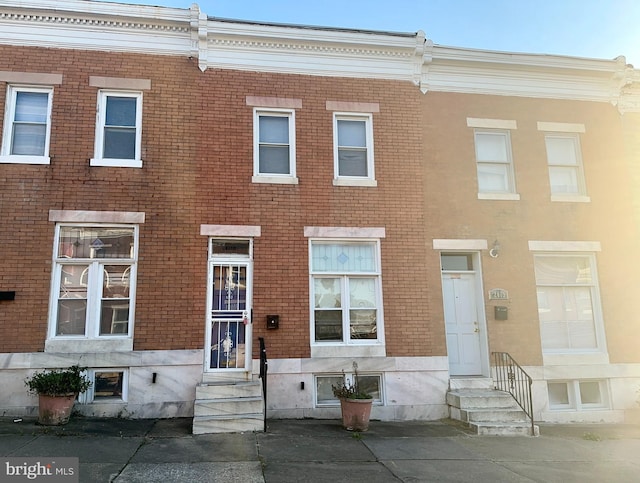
(274, 146)
(345, 291)
(369, 383)
(118, 129)
(578, 395)
(565, 164)
(353, 149)
(568, 307)
(108, 385)
(494, 163)
(27, 125)
(93, 281)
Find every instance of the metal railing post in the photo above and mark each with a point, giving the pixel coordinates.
(512, 378)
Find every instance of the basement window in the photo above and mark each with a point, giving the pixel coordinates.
(578, 395)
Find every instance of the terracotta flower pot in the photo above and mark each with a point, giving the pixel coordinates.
(356, 413)
(55, 410)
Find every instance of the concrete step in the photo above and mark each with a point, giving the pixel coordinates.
(504, 429)
(458, 383)
(212, 424)
(220, 390)
(480, 398)
(228, 406)
(489, 415)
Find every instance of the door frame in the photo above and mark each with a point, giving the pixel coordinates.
(246, 261)
(476, 271)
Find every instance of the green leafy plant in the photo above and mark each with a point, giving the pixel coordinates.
(350, 389)
(59, 382)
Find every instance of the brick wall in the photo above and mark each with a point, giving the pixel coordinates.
(197, 154)
(453, 211)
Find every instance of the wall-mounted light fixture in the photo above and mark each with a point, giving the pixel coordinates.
(495, 250)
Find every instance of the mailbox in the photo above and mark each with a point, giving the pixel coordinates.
(273, 321)
(501, 312)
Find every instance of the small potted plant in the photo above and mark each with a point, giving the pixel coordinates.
(57, 391)
(354, 402)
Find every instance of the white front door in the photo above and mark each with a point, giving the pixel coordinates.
(462, 324)
(228, 345)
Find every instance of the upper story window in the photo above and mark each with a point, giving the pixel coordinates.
(494, 162)
(353, 149)
(345, 291)
(27, 125)
(566, 176)
(93, 281)
(564, 159)
(274, 151)
(118, 129)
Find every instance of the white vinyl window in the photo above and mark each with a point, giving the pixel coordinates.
(565, 164)
(345, 292)
(27, 125)
(369, 383)
(118, 129)
(494, 162)
(93, 282)
(568, 303)
(353, 149)
(578, 395)
(274, 152)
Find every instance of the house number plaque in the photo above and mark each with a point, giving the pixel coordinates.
(498, 294)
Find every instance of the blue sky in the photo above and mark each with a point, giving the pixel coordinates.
(600, 29)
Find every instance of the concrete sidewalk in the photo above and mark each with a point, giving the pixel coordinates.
(313, 451)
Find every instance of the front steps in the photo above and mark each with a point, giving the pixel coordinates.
(487, 411)
(228, 407)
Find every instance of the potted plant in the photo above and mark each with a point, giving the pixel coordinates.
(57, 391)
(355, 403)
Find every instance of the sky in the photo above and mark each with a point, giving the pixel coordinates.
(602, 29)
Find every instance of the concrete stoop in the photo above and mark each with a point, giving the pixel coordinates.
(228, 407)
(485, 410)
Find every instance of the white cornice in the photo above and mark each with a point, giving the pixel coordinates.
(295, 49)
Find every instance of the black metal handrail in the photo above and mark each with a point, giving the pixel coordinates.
(264, 366)
(512, 378)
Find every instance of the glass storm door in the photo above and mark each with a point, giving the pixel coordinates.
(228, 324)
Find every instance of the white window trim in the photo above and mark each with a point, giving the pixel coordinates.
(91, 341)
(370, 179)
(573, 391)
(88, 397)
(7, 134)
(349, 377)
(600, 351)
(581, 196)
(98, 158)
(274, 178)
(512, 193)
(337, 348)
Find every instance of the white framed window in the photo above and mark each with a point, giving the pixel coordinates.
(27, 125)
(346, 296)
(274, 149)
(108, 386)
(93, 286)
(353, 149)
(566, 175)
(578, 395)
(568, 303)
(118, 129)
(369, 383)
(494, 162)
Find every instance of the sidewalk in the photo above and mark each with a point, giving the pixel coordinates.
(313, 451)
